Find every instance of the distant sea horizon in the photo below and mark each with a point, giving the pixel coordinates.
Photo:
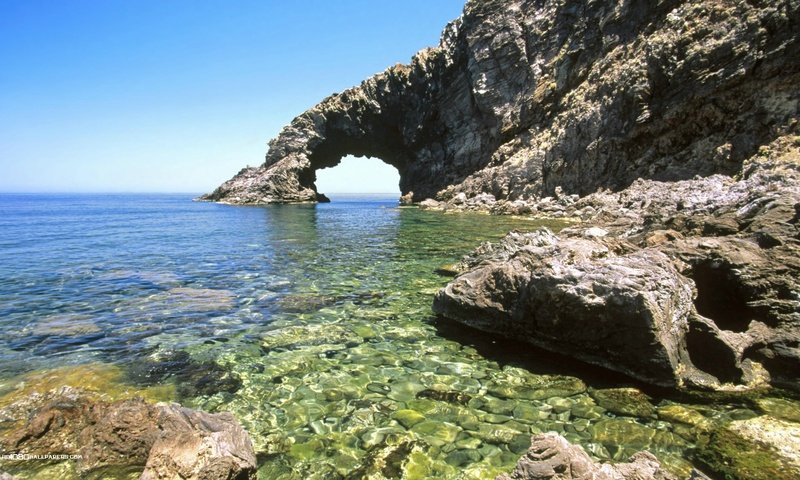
(193, 194)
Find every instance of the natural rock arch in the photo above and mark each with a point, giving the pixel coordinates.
(524, 96)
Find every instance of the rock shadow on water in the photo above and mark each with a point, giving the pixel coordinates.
(509, 352)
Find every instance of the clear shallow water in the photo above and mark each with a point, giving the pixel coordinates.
(311, 323)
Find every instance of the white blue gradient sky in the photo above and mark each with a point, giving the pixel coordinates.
(178, 95)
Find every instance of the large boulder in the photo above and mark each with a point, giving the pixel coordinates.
(585, 297)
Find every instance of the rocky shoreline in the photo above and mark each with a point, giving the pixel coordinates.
(690, 283)
(667, 132)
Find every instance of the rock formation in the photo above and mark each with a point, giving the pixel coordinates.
(552, 457)
(166, 441)
(524, 96)
(684, 283)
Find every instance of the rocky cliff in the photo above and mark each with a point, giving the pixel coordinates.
(524, 96)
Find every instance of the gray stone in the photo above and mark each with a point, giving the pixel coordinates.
(585, 298)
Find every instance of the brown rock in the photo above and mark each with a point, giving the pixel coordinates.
(167, 441)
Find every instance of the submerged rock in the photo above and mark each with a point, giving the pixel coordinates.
(192, 378)
(552, 457)
(164, 440)
(66, 324)
(624, 401)
(760, 448)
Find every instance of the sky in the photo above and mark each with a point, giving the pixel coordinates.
(178, 95)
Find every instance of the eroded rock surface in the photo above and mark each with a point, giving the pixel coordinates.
(694, 282)
(524, 98)
(585, 298)
(165, 440)
(552, 457)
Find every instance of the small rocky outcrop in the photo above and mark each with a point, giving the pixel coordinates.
(552, 457)
(684, 283)
(523, 96)
(165, 440)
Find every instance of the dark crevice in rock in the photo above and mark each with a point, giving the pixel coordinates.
(711, 354)
(719, 297)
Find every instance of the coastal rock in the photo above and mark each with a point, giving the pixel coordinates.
(165, 440)
(552, 457)
(586, 298)
(717, 309)
(523, 97)
(199, 445)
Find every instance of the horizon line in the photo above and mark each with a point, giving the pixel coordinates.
(154, 192)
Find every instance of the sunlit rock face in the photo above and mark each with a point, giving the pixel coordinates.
(523, 96)
(682, 284)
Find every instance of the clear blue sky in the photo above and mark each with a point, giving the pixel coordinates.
(178, 95)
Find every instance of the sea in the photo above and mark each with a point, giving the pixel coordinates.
(312, 324)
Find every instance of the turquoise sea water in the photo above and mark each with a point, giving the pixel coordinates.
(311, 323)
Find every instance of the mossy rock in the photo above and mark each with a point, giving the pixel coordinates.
(780, 408)
(408, 418)
(463, 457)
(94, 379)
(307, 450)
(539, 387)
(436, 433)
(296, 336)
(624, 401)
(495, 434)
(589, 412)
(681, 414)
(615, 432)
(493, 405)
(529, 413)
(560, 405)
(734, 456)
(449, 270)
(459, 398)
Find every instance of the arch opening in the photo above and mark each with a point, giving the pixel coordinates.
(358, 176)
